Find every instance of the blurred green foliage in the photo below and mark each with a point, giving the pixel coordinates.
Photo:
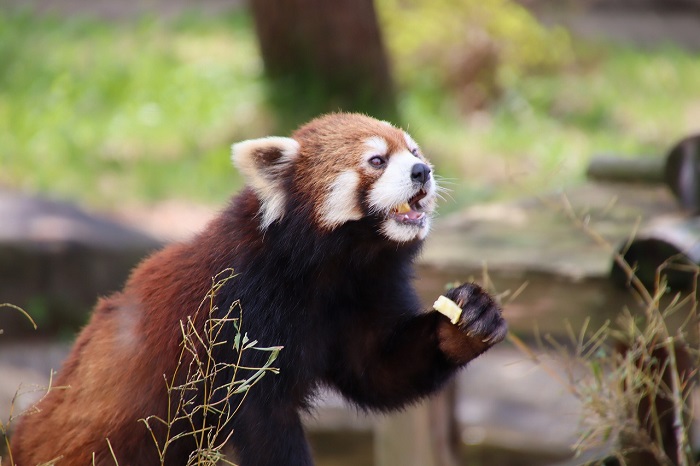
(130, 110)
(540, 133)
(509, 107)
(142, 110)
(472, 47)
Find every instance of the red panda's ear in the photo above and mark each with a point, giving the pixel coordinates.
(264, 162)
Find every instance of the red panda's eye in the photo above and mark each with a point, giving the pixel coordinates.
(377, 161)
(414, 151)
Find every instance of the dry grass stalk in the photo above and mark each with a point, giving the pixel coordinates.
(621, 390)
(195, 395)
(22, 391)
(200, 401)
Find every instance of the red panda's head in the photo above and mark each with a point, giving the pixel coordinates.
(345, 167)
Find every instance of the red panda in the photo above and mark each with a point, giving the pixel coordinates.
(322, 241)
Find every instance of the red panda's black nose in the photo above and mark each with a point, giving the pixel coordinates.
(420, 173)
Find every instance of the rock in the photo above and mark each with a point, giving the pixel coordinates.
(55, 259)
(168, 221)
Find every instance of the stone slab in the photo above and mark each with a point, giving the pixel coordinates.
(535, 236)
(56, 259)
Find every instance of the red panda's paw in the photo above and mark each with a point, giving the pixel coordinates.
(479, 326)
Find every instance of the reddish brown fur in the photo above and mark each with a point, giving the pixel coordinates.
(103, 373)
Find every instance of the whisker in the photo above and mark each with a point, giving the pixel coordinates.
(445, 185)
(445, 179)
(443, 198)
(442, 192)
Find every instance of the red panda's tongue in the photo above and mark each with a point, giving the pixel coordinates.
(413, 214)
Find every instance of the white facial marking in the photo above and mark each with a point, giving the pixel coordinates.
(377, 145)
(402, 233)
(264, 179)
(425, 229)
(340, 205)
(395, 186)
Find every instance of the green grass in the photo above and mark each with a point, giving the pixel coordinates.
(108, 112)
(114, 112)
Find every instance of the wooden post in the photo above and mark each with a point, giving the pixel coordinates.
(422, 435)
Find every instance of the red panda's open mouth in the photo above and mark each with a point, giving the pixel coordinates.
(410, 212)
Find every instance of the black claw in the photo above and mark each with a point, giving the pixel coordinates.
(481, 316)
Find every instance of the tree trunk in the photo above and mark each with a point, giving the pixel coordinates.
(325, 55)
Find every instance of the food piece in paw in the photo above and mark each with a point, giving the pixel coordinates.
(448, 308)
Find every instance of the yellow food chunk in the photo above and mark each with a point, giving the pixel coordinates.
(448, 308)
(403, 208)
